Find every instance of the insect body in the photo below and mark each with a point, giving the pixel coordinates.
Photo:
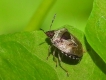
(66, 43)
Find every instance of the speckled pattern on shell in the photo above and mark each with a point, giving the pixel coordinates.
(70, 47)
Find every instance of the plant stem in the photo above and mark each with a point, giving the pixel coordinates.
(39, 15)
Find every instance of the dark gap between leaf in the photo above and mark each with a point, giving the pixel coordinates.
(95, 57)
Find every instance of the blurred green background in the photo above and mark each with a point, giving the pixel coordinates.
(16, 15)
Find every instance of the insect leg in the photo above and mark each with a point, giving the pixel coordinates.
(59, 60)
(54, 58)
(49, 51)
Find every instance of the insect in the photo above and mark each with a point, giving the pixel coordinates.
(66, 43)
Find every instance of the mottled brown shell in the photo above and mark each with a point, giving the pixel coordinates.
(68, 44)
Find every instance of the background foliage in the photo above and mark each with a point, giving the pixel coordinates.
(23, 57)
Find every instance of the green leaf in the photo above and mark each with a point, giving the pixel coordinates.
(23, 56)
(18, 63)
(96, 28)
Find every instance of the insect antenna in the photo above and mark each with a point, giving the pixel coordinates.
(42, 30)
(52, 21)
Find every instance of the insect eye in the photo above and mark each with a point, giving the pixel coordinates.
(50, 34)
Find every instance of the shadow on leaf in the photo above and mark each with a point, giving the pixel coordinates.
(95, 57)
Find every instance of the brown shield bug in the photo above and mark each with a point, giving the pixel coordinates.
(66, 43)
